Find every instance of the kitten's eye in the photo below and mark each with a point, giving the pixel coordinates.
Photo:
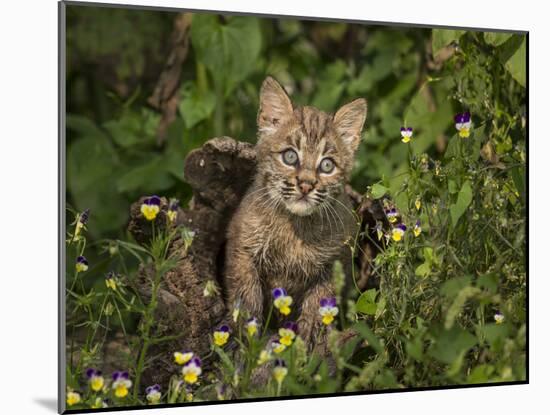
(327, 165)
(290, 157)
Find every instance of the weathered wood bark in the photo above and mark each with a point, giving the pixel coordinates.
(219, 173)
(165, 97)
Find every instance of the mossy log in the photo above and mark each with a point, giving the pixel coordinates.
(219, 173)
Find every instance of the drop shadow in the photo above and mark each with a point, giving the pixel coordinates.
(48, 403)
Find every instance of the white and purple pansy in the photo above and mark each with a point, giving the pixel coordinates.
(406, 134)
(251, 326)
(152, 393)
(111, 280)
(121, 383)
(463, 124)
(287, 333)
(328, 310)
(150, 207)
(392, 215)
(95, 379)
(282, 301)
(398, 232)
(73, 397)
(182, 358)
(81, 264)
(81, 222)
(277, 347)
(192, 370)
(173, 210)
(279, 371)
(417, 230)
(221, 335)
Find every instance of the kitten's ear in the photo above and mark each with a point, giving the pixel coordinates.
(275, 106)
(349, 121)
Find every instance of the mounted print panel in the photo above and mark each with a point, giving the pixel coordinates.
(268, 207)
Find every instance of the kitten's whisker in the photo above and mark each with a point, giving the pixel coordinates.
(266, 204)
(331, 217)
(323, 206)
(322, 219)
(258, 190)
(272, 204)
(318, 198)
(335, 214)
(260, 196)
(346, 208)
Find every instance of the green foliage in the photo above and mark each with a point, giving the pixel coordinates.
(366, 303)
(463, 200)
(517, 64)
(431, 319)
(229, 50)
(444, 37)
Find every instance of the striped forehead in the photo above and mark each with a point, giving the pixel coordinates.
(314, 127)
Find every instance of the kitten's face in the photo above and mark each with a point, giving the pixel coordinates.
(305, 155)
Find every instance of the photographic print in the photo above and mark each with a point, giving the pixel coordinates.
(274, 207)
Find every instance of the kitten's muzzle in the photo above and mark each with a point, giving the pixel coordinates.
(305, 187)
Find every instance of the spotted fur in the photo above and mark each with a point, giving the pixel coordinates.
(295, 220)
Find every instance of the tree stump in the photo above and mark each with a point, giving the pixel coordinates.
(219, 173)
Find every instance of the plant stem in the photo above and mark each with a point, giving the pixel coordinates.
(267, 321)
(219, 111)
(147, 324)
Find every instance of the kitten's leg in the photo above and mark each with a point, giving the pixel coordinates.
(243, 282)
(309, 323)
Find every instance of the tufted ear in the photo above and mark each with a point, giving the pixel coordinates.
(349, 121)
(275, 106)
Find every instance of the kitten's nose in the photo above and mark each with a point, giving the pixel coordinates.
(305, 187)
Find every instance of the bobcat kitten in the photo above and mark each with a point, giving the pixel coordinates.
(295, 219)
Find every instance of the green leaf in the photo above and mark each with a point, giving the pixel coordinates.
(450, 344)
(453, 187)
(423, 270)
(92, 163)
(443, 37)
(496, 38)
(481, 374)
(488, 282)
(453, 147)
(474, 145)
(471, 145)
(379, 190)
(428, 113)
(148, 177)
(349, 348)
(414, 348)
(83, 125)
(330, 86)
(380, 308)
(228, 48)
(366, 303)
(462, 202)
(495, 334)
(518, 176)
(124, 131)
(196, 106)
(452, 287)
(133, 128)
(226, 360)
(366, 333)
(517, 64)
